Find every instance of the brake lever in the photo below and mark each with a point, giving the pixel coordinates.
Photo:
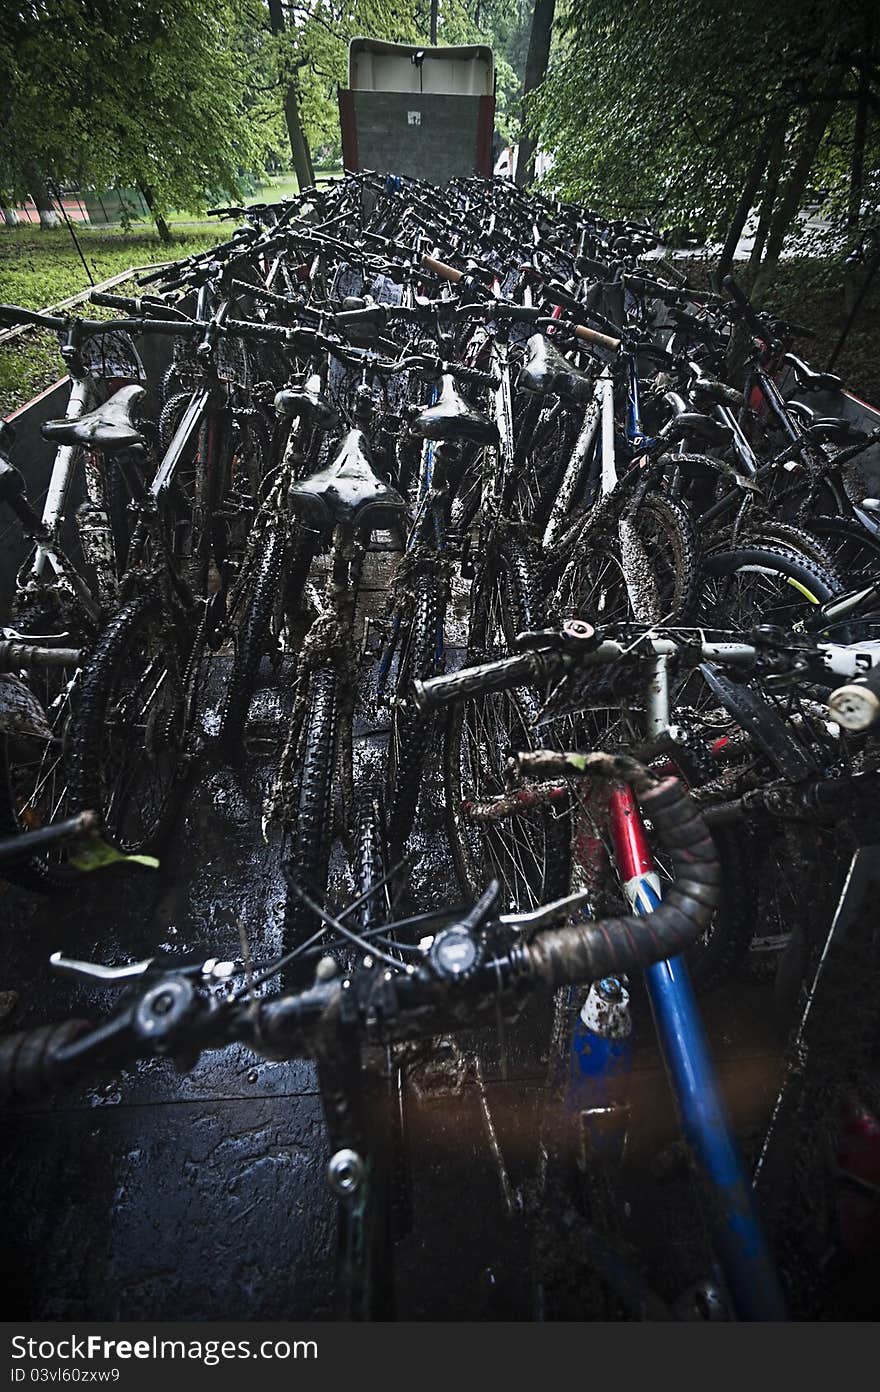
(547, 913)
(209, 970)
(574, 634)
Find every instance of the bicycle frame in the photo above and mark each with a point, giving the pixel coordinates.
(745, 1258)
(742, 1249)
(597, 423)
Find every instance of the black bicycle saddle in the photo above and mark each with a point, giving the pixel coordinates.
(810, 380)
(546, 371)
(307, 400)
(453, 418)
(109, 427)
(835, 430)
(347, 489)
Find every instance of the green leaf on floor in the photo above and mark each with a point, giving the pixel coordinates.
(94, 854)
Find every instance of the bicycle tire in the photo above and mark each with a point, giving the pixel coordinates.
(45, 872)
(368, 1230)
(412, 732)
(792, 538)
(170, 417)
(250, 647)
(307, 857)
(369, 855)
(510, 578)
(90, 760)
(854, 550)
(665, 532)
(802, 576)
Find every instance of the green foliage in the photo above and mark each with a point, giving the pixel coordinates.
(100, 91)
(185, 96)
(40, 268)
(656, 106)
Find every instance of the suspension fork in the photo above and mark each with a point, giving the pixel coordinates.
(574, 470)
(93, 523)
(62, 473)
(739, 1239)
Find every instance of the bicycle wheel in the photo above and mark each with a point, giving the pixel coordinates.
(802, 540)
(238, 493)
(855, 550)
(762, 584)
(367, 1220)
(643, 566)
(258, 609)
(528, 852)
(33, 778)
(125, 744)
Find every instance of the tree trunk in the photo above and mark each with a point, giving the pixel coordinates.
(790, 199)
(302, 159)
(536, 69)
(9, 216)
(853, 275)
(161, 225)
(746, 199)
(435, 4)
(771, 186)
(299, 145)
(39, 192)
(857, 165)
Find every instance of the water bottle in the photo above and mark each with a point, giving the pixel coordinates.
(600, 1063)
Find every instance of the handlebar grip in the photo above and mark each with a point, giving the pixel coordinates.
(747, 308)
(856, 705)
(162, 272)
(440, 268)
(177, 283)
(14, 314)
(29, 1060)
(124, 302)
(375, 315)
(594, 336)
(584, 265)
(518, 670)
(241, 328)
(142, 308)
(556, 295)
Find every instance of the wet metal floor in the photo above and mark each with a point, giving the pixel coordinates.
(201, 1196)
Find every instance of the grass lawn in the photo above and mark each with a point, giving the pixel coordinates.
(37, 269)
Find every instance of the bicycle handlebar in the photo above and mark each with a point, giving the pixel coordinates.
(140, 307)
(578, 645)
(171, 1017)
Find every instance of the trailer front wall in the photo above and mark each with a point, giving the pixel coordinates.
(427, 135)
